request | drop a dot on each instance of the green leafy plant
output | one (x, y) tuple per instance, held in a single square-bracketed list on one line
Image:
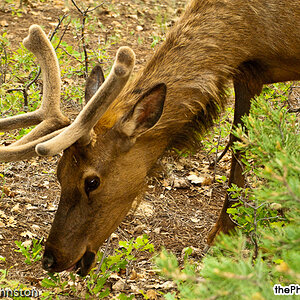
[(9, 286), (57, 286), (161, 20), (249, 213), (155, 40), (96, 281), (32, 253), (116, 262)]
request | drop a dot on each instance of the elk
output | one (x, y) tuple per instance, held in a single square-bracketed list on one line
[(127, 125)]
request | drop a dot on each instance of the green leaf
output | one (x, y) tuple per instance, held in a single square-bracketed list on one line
[(48, 283)]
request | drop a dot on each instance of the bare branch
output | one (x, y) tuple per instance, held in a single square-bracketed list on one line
[(84, 14)]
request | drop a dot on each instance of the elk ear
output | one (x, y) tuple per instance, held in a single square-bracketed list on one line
[(146, 112), (93, 82)]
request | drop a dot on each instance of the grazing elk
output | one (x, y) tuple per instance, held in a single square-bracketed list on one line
[(121, 132)]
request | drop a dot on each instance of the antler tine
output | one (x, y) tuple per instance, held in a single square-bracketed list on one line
[(20, 152), (48, 115), (81, 129)]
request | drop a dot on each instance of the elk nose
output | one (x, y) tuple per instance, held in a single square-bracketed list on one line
[(48, 261)]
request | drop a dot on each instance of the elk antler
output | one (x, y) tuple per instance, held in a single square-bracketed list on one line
[(81, 129), (48, 116), (44, 140)]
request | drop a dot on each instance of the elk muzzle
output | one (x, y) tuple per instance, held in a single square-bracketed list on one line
[(81, 267)]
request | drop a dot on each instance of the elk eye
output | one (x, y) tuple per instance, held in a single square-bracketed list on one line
[(91, 183)]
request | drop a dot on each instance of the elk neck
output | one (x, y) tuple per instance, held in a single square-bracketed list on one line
[(197, 60)]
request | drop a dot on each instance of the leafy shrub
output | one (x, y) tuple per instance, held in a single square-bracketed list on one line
[(266, 251)]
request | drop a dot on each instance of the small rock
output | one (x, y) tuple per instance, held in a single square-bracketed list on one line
[(168, 285), (180, 183), (135, 17), (195, 179)]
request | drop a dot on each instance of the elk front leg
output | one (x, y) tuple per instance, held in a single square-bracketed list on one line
[(224, 223), (247, 84)]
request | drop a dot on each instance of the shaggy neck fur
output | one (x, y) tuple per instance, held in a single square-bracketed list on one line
[(201, 53)]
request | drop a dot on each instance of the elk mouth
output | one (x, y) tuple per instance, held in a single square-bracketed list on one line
[(81, 267), (84, 264)]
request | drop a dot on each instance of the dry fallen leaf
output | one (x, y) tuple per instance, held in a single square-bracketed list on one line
[(119, 285), (140, 228), (203, 180), (151, 294), (35, 13), (207, 181), (145, 209), (16, 208), (168, 285), (8, 192), (11, 222), (133, 17), (114, 236), (28, 234), (157, 230), (27, 243), (46, 184), (180, 183), (133, 275), (3, 23), (195, 220), (29, 207)]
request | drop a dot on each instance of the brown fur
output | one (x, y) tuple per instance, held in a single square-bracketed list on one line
[(215, 41), (222, 40)]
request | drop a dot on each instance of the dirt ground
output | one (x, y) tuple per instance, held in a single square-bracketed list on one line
[(175, 213)]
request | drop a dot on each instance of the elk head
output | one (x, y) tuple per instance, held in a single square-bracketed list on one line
[(102, 153)]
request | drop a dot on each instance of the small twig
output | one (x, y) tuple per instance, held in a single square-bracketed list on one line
[(84, 14), (74, 3), (63, 34), (27, 86), (104, 255), (25, 95), (84, 45), (60, 20), (4, 69), (92, 9), (216, 156), (69, 54)]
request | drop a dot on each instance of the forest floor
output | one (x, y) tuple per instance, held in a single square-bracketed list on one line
[(175, 212)]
